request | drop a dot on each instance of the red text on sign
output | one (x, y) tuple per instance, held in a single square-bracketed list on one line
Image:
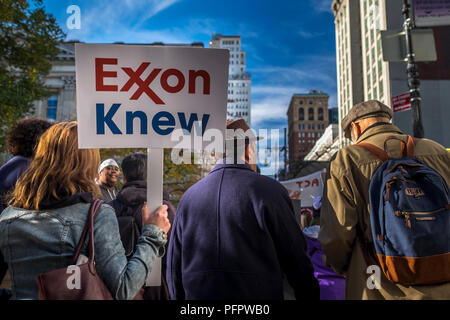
[(144, 84)]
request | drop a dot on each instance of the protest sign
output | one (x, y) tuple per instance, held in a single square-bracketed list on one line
[(136, 96), (305, 188)]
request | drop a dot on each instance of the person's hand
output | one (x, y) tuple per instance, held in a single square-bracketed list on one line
[(157, 217)]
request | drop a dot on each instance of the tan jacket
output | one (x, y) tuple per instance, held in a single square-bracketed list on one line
[(346, 204)]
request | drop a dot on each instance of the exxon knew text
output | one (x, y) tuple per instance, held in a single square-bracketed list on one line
[(163, 122)]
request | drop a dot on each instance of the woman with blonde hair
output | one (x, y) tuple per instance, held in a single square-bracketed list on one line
[(48, 210)]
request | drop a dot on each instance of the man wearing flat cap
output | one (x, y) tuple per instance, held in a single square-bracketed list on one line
[(235, 235), (345, 221)]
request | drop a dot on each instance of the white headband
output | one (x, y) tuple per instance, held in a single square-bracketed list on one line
[(107, 162)]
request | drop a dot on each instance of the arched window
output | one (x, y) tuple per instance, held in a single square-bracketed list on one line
[(311, 114), (321, 114), (301, 114)]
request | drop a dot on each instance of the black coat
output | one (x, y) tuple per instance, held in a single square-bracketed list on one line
[(128, 205)]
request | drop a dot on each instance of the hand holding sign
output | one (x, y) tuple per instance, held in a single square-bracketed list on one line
[(157, 217)]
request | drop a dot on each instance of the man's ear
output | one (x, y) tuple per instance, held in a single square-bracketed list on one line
[(250, 156), (357, 128), (247, 151)]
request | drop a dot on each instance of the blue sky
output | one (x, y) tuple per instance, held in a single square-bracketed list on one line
[(290, 44)]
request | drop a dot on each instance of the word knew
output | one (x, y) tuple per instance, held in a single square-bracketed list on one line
[(163, 122), (134, 77)]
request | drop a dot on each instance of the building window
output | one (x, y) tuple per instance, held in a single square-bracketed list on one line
[(320, 114), (311, 114), (301, 114), (52, 106), (301, 101), (310, 102)]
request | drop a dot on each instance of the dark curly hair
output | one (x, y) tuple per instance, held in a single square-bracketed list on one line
[(23, 137)]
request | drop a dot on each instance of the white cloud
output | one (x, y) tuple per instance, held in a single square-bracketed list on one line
[(270, 103), (307, 73), (322, 5), (308, 34), (109, 21)]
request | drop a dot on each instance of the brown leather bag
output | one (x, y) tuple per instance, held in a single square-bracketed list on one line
[(54, 285)]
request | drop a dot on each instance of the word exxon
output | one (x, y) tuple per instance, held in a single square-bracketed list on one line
[(144, 84)]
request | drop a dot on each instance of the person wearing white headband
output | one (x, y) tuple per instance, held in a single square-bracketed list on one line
[(108, 172)]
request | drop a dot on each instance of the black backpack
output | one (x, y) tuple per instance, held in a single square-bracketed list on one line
[(129, 219)]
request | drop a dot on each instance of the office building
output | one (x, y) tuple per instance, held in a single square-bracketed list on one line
[(239, 80)]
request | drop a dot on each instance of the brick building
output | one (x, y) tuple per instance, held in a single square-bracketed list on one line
[(307, 120)]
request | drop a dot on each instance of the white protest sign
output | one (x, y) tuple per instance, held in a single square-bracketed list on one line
[(134, 96), (305, 188)]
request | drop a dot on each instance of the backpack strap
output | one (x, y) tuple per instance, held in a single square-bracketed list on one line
[(407, 147), (375, 151)]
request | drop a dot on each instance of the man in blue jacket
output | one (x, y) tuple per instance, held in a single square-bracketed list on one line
[(235, 235)]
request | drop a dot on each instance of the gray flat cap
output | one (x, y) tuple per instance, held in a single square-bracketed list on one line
[(366, 109)]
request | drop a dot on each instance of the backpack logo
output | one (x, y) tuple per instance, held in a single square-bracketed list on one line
[(414, 192)]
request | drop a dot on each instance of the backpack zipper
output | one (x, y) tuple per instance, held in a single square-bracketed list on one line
[(408, 217)]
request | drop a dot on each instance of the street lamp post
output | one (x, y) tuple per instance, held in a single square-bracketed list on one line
[(413, 75)]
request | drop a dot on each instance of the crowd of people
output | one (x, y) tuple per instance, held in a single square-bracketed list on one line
[(234, 234)]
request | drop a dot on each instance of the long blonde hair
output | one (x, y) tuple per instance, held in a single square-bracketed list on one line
[(58, 168)]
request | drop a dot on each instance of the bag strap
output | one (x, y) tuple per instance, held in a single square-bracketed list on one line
[(375, 151), (407, 148), (88, 228)]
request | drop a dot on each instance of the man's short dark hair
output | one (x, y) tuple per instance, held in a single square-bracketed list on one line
[(134, 167), (24, 136)]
